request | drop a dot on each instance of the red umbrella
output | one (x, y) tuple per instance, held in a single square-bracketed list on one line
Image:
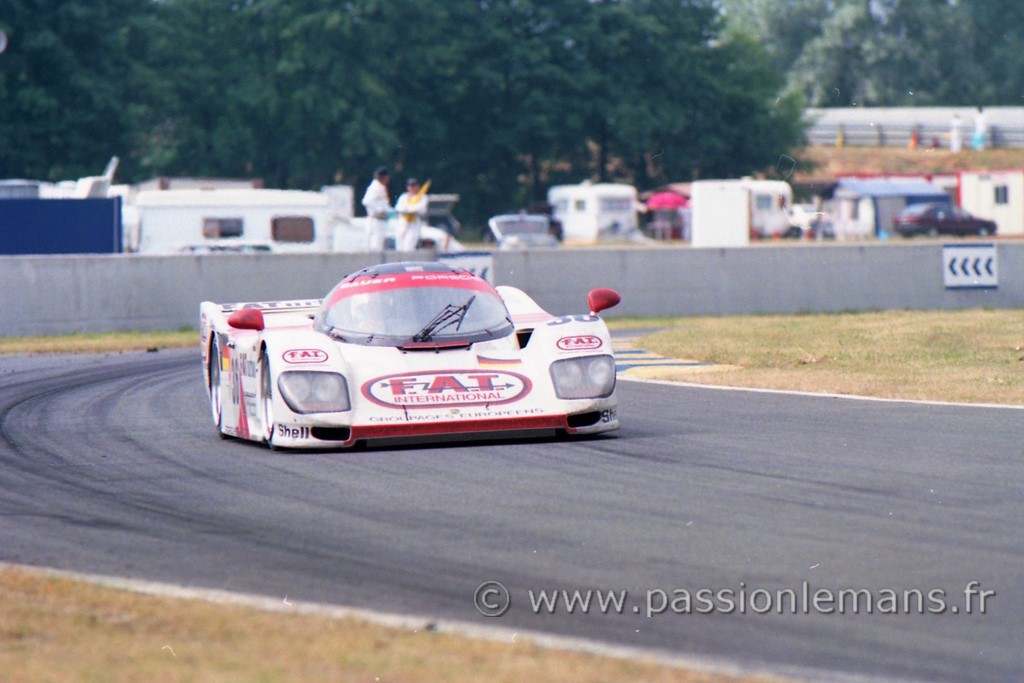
[(667, 200)]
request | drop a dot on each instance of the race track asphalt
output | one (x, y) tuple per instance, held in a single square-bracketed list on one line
[(110, 464)]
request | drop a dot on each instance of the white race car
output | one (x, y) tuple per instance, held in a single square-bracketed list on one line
[(407, 352)]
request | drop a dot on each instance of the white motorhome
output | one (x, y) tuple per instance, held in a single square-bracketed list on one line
[(170, 221), (729, 213), (590, 212)]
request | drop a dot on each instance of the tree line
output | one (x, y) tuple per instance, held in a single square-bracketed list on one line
[(891, 53), (493, 99)]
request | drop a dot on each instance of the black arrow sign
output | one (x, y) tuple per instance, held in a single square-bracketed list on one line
[(970, 266)]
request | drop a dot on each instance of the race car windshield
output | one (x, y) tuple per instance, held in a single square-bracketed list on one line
[(416, 314)]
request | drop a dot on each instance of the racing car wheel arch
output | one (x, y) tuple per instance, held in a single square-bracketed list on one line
[(214, 384), (265, 405)]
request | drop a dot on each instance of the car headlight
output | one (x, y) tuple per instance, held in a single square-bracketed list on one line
[(586, 377), (314, 392)]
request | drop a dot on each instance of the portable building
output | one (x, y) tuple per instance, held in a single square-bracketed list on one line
[(864, 208), (996, 195), (732, 212)]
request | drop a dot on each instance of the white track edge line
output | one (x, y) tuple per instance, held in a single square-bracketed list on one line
[(817, 394)]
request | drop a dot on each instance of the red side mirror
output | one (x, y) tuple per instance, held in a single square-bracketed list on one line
[(601, 298), (246, 319)]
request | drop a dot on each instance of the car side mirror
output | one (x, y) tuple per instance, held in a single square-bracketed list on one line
[(247, 319), (601, 299)]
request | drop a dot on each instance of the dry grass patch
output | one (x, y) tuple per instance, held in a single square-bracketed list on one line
[(823, 162), (973, 356), (100, 342), (58, 630)]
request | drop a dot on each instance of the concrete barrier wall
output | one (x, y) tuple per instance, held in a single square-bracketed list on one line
[(765, 278), (57, 294)]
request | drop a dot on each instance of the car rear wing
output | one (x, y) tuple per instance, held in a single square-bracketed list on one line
[(281, 312), (294, 306)]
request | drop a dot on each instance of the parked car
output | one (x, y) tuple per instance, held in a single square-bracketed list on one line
[(430, 238), (807, 221), (935, 219), (554, 225), (227, 247), (522, 231), (439, 213)]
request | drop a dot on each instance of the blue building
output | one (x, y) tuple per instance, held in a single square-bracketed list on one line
[(863, 208)]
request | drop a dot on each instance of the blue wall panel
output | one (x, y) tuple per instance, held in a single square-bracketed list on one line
[(60, 226)]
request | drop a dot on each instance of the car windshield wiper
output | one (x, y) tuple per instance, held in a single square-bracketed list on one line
[(448, 316), (335, 333), (346, 336)]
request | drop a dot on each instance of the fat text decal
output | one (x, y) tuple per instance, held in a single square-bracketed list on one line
[(447, 388), (300, 356), (580, 342)]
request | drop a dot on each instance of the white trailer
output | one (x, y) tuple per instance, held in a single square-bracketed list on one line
[(729, 213), (996, 195), (591, 212), (168, 221)]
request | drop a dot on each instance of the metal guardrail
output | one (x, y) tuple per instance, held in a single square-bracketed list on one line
[(894, 126), (899, 135)]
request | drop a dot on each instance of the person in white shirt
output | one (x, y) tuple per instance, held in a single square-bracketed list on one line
[(411, 207), (980, 140), (377, 204)]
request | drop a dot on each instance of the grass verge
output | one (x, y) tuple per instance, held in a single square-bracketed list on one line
[(102, 342), (59, 630), (974, 356)]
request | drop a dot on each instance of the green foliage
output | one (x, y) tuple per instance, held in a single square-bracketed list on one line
[(493, 99), (891, 52), (64, 79)]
